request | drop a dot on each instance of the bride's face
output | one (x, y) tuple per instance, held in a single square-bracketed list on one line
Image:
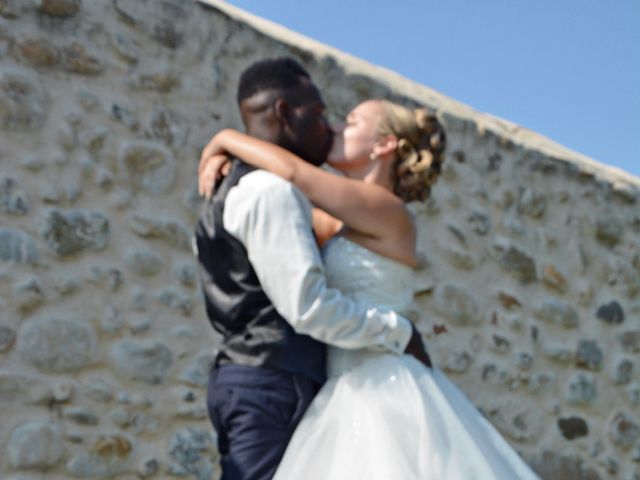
[(354, 140)]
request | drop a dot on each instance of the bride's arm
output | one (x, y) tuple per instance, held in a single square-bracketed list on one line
[(324, 225), (367, 208)]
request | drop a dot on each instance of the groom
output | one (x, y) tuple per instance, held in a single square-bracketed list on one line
[(264, 285)]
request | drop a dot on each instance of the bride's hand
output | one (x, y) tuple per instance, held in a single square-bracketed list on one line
[(213, 148), (210, 170)]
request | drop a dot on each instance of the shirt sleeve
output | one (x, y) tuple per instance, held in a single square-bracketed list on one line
[(272, 219)]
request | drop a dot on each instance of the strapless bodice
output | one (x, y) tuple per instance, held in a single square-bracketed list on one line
[(368, 277)]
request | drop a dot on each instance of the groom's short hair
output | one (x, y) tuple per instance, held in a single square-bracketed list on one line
[(275, 73)]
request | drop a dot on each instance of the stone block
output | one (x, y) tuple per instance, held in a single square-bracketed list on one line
[(190, 453), (57, 345), (143, 360), (573, 427), (589, 355), (581, 389), (170, 231), (13, 199), (70, 232), (59, 8), (148, 166), (624, 430), (35, 445), (457, 304), (144, 263), (611, 313), (7, 337), (558, 312), (108, 456), (23, 102), (515, 261), (554, 465)]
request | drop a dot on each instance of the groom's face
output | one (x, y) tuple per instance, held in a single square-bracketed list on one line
[(311, 136)]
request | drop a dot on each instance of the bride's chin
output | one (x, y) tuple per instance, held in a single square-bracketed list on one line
[(337, 163)]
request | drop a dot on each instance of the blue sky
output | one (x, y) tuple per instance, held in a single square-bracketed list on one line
[(568, 69)]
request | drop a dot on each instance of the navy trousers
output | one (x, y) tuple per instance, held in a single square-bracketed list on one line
[(255, 411)]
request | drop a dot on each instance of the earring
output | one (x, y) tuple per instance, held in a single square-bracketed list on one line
[(373, 155)]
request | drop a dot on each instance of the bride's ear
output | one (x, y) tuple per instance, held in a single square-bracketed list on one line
[(385, 146)]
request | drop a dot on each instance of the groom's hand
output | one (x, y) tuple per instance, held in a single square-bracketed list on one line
[(416, 348)]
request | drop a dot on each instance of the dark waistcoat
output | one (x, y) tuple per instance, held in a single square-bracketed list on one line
[(253, 332)]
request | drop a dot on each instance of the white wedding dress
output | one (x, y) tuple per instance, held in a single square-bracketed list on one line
[(386, 417)]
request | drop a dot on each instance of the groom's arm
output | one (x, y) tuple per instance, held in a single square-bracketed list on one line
[(272, 219)]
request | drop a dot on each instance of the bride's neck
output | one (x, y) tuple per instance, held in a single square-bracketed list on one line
[(376, 172)]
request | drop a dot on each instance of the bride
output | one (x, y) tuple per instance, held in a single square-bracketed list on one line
[(379, 415)]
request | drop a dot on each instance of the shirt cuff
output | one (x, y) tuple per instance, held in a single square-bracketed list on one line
[(400, 335)]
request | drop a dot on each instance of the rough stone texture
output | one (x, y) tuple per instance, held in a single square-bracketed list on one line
[(20, 389), (554, 279), (76, 59), (35, 445), (13, 199), (609, 230), (169, 127), (148, 467), (148, 166), (581, 389), (71, 232), (558, 353), (168, 230), (106, 457), (589, 355), (456, 361), (515, 261), (143, 360), (519, 425), (57, 345), (558, 312), (528, 292), (457, 304), (17, 246), (186, 274), (59, 8), (197, 373), (630, 340), (23, 103), (28, 294), (7, 337), (81, 415), (188, 452), (624, 430), (176, 300), (143, 263), (622, 372), (611, 313), (98, 389), (573, 427), (557, 466)]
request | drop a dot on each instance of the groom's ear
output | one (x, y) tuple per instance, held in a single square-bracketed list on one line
[(281, 112)]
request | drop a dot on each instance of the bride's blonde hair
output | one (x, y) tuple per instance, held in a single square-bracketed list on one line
[(421, 144)]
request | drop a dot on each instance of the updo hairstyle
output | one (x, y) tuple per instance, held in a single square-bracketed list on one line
[(421, 144)]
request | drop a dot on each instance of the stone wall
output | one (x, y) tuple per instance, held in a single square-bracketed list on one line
[(528, 298)]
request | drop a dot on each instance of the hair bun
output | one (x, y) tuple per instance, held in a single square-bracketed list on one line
[(426, 120), (421, 144)]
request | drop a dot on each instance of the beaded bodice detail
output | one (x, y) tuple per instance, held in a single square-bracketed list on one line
[(365, 276)]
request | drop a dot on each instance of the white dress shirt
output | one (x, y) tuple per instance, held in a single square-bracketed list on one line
[(272, 219)]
